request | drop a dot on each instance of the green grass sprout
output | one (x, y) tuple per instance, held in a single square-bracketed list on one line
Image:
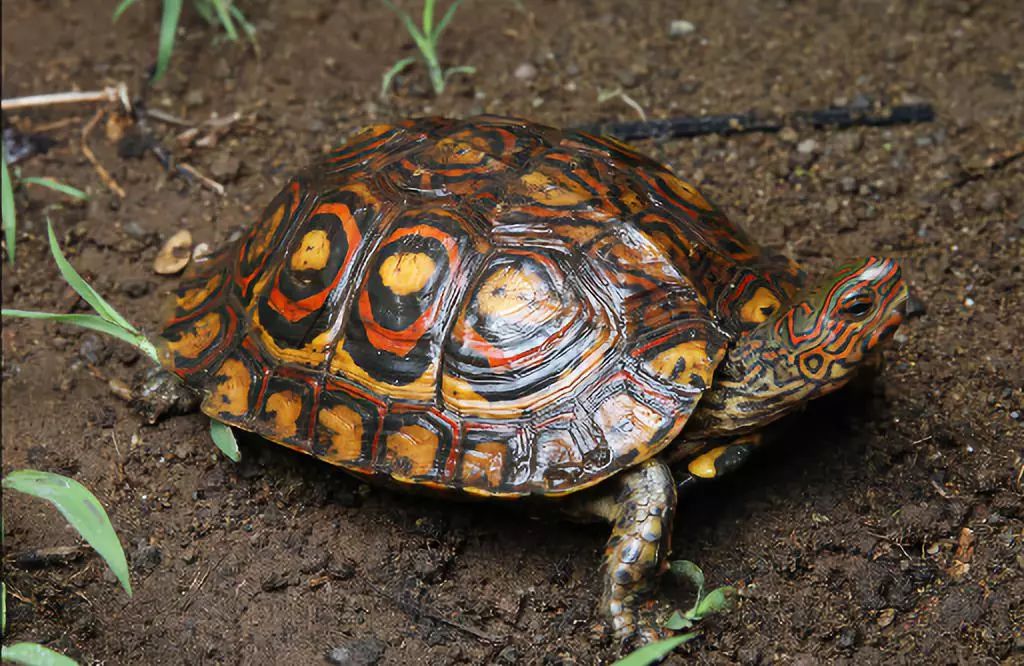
[(653, 652), (9, 220), (214, 12), (426, 36), (82, 511), (106, 320), (224, 438), (57, 186), (33, 654)]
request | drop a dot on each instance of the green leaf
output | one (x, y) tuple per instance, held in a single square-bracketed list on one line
[(653, 652), (122, 6), (83, 288), (225, 440), (82, 511), (385, 81), (93, 323), (689, 571), (168, 27), (677, 621), (9, 217), (33, 654), (446, 19), (63, 188), (718, 600)]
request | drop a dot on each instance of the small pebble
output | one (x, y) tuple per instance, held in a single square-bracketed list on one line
[(357, 652), (789, 135), (525, 72), (847, 184), (175, 254), (225, 168), (680, 28), (807, 146)]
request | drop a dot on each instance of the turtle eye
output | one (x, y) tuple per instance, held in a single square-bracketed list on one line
[(857, 305)]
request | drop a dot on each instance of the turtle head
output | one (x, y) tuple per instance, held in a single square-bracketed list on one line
[(811, 346), (831, 329)]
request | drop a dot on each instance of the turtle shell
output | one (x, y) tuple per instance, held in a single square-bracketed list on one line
[(487, 305)]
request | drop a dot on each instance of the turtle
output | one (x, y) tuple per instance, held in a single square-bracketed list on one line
[(492, 308)]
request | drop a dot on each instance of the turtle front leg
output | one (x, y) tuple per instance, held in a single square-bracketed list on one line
[(639, 504)]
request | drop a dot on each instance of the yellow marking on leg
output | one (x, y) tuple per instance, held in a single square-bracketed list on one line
[(231, 395), (412, 451), (407, 272), (760, 306), (286, 407), (312, 253), (345, 426), (194, 342), (628, 424), (704, 464)]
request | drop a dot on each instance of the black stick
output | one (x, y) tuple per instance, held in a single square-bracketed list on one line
[(737, 123)]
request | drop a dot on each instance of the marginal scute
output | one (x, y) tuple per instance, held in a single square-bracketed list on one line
[(230, 394), (198, 337)]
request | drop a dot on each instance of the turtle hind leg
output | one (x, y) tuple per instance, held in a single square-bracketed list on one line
[(640, 504), (161, 394)]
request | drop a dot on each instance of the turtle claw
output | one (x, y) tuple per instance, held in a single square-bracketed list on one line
[(161, 394)]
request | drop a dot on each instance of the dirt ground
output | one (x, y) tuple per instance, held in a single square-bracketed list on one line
[(849, 541)]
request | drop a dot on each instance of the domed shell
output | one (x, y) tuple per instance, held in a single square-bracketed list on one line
[(487, 305)]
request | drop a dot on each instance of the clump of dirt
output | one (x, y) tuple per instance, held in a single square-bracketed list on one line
[(887, 526)]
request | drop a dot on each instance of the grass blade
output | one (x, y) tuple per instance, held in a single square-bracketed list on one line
[(93, 323), (248, 28), (225, 440), (428, 17), (82, 511), (446, 19), (58, 186), (168, 27), (83, 288), (650, 654), (34, 654), (385, 82), (225, 19), (9, 220), (122, 7)]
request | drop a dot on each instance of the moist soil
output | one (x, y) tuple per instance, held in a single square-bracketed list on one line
[(884, 527)]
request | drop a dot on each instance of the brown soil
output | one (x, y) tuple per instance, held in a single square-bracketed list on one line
[(843, 540)]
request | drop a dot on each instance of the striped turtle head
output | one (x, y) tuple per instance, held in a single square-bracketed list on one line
[(812, 346)]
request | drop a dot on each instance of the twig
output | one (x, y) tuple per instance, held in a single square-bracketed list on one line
[(737, 123), (994, 163), (118, 93), (108, 180), (208, 182)]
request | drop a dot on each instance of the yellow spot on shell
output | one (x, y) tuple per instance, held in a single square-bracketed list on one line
[(312, 253), (344, 426), (628, 424), (483, 465), (515, 294), (542, 189), (197, 340), (286, 407), (194, 297), (231, 395), (704, 464), (695, 360), (407, 272), (760, 306), (412, 451)]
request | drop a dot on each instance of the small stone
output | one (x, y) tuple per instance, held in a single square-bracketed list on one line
[(175, 254), (847, 638), (991, 201), (789, 135), (357, 652), (807, 147), (195, 97), (680, 28), (832, 206), (136, 288), (525, 72), (886, 617), (225, 168), (847, 184), (93, 350)]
